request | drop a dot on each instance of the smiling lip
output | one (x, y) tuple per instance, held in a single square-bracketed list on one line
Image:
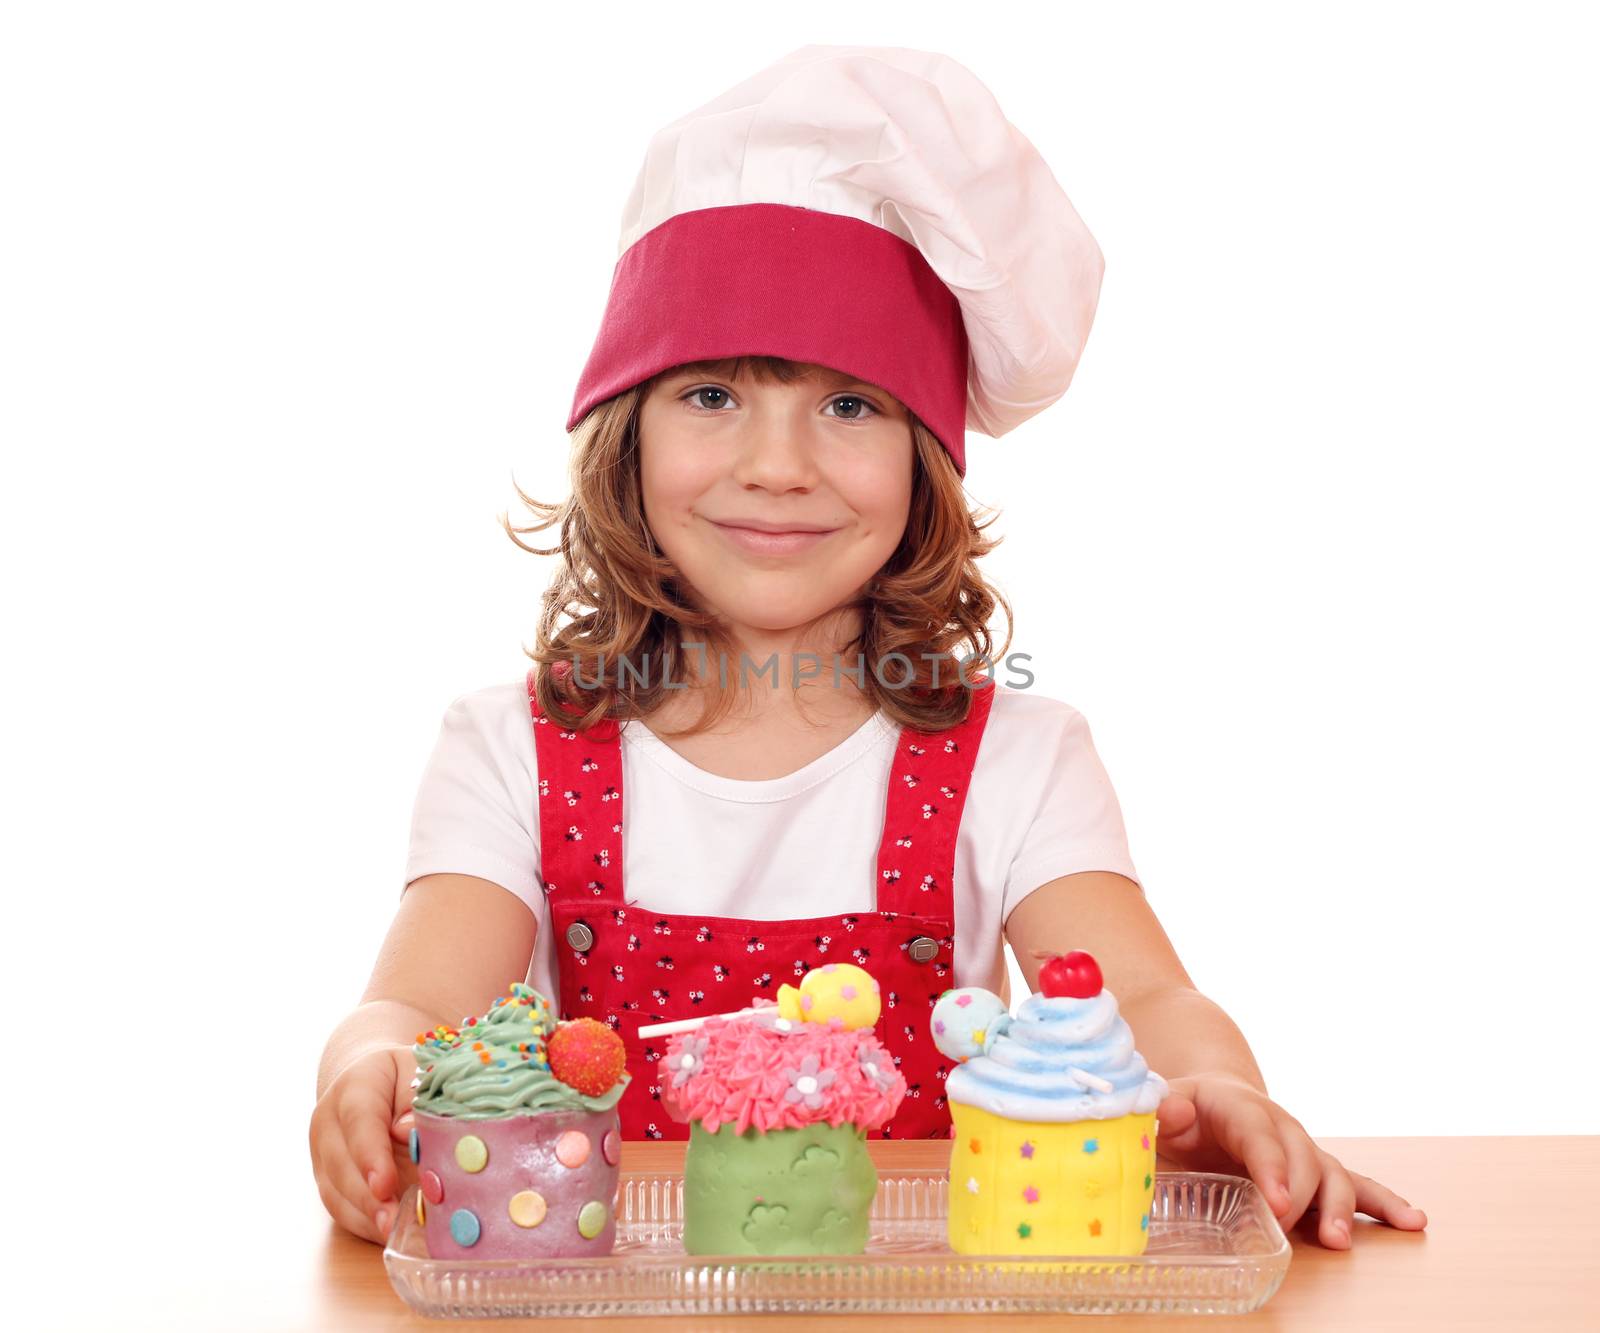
[(766, 541)]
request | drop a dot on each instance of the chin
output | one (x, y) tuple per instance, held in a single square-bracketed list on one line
[(774, 619), (774, 610)]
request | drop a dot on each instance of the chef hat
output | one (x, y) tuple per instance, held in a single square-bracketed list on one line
[(865, 208)]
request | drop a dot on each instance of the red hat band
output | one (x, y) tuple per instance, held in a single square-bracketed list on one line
[(776, 280)]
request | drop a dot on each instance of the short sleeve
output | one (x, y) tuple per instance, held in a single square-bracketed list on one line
[(476, 811), (1077, 822)]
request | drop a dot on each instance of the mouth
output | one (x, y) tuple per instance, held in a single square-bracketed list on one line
[(759, 541)]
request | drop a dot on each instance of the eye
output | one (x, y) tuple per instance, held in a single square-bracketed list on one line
[(694, 395), (858, 403), (857, 409)]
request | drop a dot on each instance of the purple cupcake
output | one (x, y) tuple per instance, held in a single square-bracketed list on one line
[(512, 1162)]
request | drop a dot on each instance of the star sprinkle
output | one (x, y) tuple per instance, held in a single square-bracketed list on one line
[(1030, 1194), (1147, 1182), (1024, 1230), (1027, 1148), (1091, 1145), (1094, 1227), (972, 1184), (1144, 1142), (975, 1145)]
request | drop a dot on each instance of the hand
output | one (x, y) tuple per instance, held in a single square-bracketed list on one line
[(357, 1122), (1220, 1122)]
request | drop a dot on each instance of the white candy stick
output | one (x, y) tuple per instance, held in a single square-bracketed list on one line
[(689, 1024), (1086, 1080)]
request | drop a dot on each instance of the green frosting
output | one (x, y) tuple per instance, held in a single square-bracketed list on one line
[(496, 1065), (786, 1191)]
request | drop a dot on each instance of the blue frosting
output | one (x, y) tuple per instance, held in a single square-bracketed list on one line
[(1052, 1062)]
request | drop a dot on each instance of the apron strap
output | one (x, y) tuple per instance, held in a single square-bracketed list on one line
[(927, 793), (580, 807)]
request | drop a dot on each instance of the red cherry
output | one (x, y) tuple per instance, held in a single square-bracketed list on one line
[(1075, 974)]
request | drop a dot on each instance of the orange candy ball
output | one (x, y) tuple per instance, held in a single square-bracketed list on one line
[(586, 1055)]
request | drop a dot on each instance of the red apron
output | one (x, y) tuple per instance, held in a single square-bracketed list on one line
[(628, 966)]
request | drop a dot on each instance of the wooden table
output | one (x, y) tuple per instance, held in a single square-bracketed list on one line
[(1511, 1244)]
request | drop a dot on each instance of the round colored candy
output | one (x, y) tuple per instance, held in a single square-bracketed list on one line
[(572, 1148), (966, 1021), (592, 1219), (432, 1187), (472, 1153), (527, 1209), (587, 1055), (611, 1148), (464, 1227)]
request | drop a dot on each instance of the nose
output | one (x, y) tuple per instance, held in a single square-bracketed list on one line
[(777, 452)]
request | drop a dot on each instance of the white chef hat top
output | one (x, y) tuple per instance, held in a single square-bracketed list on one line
[(714, 260)]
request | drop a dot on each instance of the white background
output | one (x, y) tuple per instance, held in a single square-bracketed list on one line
[(293, 292)]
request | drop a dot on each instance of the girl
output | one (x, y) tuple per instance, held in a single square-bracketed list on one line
[(759, 647)]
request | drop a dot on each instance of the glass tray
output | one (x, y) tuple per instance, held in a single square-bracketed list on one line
[(1215, 1248)]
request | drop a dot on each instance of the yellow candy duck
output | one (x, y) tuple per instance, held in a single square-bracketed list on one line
[(834, 990)]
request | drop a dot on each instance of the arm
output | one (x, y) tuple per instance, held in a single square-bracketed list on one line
[(453, 945), (455, 942), (1218, 1116), (1179, 1031)]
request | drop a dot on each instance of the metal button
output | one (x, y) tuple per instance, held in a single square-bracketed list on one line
[(580, 937), (923, 949)]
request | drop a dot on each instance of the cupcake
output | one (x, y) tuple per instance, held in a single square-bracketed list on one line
[(1054, 1133), (517, 1139), (779, 1101)]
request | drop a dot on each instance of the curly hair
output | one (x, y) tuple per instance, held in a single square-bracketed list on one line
[(623, 599)]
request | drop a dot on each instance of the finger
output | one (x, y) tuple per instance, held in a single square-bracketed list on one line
[(344, 1176), (1247, 1131), (366, 1132), (336, 1172), (1383, 1203), (404, 1090), (1305, 1167), (1177, 1122), (401, 1119), (400, 1131), (346, 1214), (1336, 1203)]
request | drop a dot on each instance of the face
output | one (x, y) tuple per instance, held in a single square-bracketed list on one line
[(777, 501)]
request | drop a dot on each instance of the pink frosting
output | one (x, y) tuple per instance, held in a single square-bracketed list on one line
[(750, 1074)]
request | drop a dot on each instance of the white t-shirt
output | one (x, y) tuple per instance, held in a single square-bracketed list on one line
[(1040, 806)]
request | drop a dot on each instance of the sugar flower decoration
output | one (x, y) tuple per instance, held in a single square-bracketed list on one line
[(870, 1057), (688, 1060), (807, 1083), (772, 1021)]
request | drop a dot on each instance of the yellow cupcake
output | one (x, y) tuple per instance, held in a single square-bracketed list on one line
[(1054, 1111), (1034, 1187)]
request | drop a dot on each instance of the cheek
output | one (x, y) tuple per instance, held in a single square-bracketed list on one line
[(881, 495), (888, 506), (669, 485)]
